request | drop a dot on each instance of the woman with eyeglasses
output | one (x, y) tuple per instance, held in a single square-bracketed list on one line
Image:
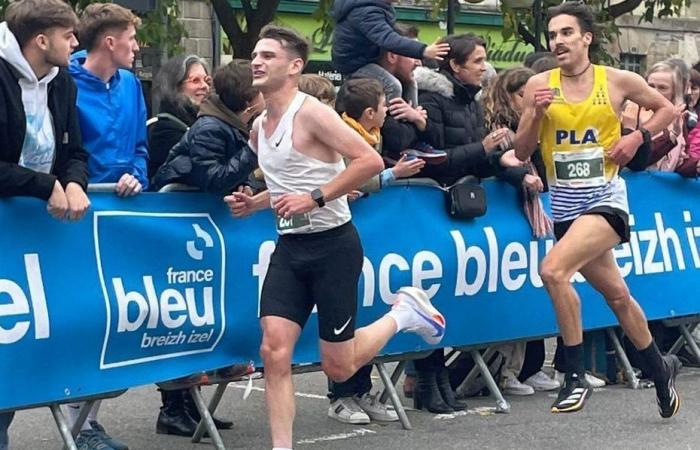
[(181, 84)]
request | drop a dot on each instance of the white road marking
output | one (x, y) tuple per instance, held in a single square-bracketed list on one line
[(480, 411), (298, 394), (337, 437)]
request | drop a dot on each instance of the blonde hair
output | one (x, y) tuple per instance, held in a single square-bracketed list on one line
[(676, 78), (317, 86)]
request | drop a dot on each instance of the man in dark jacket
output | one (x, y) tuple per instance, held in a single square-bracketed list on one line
[(406, 120), (214, 155), (40, 149), (41, 153)]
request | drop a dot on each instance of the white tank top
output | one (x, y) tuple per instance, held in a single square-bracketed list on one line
[(286, 170)]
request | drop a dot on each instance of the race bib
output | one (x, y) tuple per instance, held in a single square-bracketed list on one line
[(581, 168), (293, 223)]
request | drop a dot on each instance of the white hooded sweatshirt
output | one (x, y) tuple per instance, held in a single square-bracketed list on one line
[(39, 147)]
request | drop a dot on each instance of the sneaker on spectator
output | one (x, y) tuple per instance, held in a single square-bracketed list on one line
[(542, 382), (591, 380), (513, 386), (116, 444), (375, 409), (346, 410), (91, 440), (426, 152)]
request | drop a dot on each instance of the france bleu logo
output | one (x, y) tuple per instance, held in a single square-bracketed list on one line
[(162, 277)]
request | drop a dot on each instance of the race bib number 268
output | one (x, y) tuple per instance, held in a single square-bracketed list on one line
[(583, 168)]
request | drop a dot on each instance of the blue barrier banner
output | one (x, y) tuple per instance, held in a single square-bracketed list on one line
[(158, 286)]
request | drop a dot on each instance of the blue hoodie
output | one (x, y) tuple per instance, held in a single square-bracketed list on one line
[(112, 122), (362, 29)]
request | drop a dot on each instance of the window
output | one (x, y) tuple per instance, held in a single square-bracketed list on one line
[(633, 62)]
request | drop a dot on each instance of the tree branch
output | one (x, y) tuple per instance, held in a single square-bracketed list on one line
[(527, 36), (624, 7), (227, 18)]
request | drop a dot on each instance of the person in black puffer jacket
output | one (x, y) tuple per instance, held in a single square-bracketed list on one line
[(456, 121), (181, 85), (214, 154)]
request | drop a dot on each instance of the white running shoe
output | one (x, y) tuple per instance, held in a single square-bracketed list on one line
[(346, 410), (375, 409), (420, 315), (593, 381), (513, 386), (542, 382)]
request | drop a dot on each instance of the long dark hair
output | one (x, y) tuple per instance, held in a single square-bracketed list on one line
[(167, 96), (498, 106)]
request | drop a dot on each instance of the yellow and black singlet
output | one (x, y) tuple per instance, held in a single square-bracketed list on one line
[(575, 139)]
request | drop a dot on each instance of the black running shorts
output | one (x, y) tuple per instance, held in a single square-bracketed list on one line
[(319, 269), (617, 218)]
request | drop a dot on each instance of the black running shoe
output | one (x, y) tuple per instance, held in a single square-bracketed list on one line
[(667, 397), (573, 394)]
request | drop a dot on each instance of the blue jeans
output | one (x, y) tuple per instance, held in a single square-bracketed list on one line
[(5, 420)]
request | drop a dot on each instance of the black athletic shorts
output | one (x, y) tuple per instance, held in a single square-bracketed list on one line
[(617, 218), (319, 269)]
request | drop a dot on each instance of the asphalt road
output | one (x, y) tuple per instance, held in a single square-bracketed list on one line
[(614, 418)]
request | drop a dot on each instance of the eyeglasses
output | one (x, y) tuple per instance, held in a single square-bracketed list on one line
[(206, 79)]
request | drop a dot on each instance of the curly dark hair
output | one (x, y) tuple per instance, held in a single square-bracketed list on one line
[(498, 105)]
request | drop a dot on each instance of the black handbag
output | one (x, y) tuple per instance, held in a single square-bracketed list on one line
[(466, 201)]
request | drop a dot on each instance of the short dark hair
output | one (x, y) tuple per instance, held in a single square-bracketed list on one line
[(358, 94), (290, 40), (234, 84), (461, 48), (545, 63), (98, 18), (28, 18), (577, 9)]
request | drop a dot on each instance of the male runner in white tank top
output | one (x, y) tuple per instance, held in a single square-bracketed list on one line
[(573, 112), (300, 144)]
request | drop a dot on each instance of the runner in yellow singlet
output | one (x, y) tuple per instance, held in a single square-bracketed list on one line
[(573, 111)]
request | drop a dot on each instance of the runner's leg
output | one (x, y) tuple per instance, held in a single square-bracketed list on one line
[(279, 338)]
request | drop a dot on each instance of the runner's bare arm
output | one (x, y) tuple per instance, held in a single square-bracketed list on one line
[(335, 135), (534, 105), (636, 89)]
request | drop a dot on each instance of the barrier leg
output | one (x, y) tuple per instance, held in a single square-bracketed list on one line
[(394, 396), (502, 406), (680, 342), (691, 341), (82, 417), (63, 427), (471, 376), (207, 419), (394, 379), (632, 381), (213, 404)]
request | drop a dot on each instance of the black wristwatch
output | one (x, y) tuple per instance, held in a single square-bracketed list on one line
[(317, 196), (646, 135)]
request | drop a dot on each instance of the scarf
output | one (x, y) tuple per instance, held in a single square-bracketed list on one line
[(372, 136)]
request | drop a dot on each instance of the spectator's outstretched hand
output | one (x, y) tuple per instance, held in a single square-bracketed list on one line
[(240, 204), (436, 50), (57, 204), (533, 183), (354, 195), (128, 185), (508, 159), (405, 168), (78, 201)]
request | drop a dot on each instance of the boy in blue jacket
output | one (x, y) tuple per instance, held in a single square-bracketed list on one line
[(110, 99), (365, 28)]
